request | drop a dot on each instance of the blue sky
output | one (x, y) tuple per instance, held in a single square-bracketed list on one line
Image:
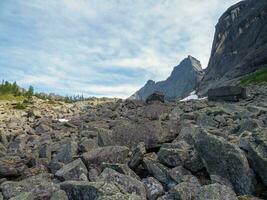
[(102, 47)]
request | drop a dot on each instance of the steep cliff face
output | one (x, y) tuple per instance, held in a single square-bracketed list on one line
[(240, 45), (183, 79)]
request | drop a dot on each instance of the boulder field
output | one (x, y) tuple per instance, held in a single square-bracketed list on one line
[(128, 149)]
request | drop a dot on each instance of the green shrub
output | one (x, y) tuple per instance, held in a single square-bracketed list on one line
[(21, 106), (258, 77)]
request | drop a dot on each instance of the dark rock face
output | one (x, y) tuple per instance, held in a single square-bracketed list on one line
[(240, 45), (156, 96), (227, 93), (183, 80)]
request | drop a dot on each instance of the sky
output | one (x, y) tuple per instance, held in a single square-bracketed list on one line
[(102, 47)]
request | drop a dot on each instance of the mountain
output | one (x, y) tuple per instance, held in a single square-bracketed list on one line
[(240, 45), (183, 80)]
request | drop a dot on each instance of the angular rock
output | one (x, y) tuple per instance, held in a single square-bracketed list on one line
[(12, 166), (85, 190), (156, 96), (40, 185), (128, 183), (152, 133), (109, 154), (257, 153), (154, 189), (24, 196), (66, 152), (187, 189), (75, 170), (88, 144), (121, 168), (174, 154), (216, 192), (59, 195), (227, 93), (226, 160), (137, 155), (178, 173), (159, 171)]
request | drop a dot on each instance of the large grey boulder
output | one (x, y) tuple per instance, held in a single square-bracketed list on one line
[(129, 184), (239, 45), (216, 192), (187, 189), (12, 166), (152, 133), (159, 171), (257, 153), (137, 155), (183, 80), (85, 190), (110, 154), (40, 185), (76, 170), (174, 154), (154, 189), (154, 97), (226, 160), (227, 93)]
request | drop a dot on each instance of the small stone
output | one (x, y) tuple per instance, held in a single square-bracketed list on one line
[(154, 189)]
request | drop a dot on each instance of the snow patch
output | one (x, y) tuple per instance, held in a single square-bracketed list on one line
[(63, 120), (192, 96)]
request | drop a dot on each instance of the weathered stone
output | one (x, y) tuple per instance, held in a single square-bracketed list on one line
[(45, 151), (40, 185), (216, 192), (227, 93), (154, 189), (75, 170), (221, 180), (88, 144), (187, 189), (152, 133), (156, 96), (12, 166), (128, 183), (24, 196), (159, 171), (137, 155), (121, 168), (85, 190), (109, 154), (59, 195), (226, 160), (174, 154), (178, 173), (66, 152), (257, 153)]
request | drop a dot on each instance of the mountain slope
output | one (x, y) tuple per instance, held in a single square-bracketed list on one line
[(240, 45), (183, 79)]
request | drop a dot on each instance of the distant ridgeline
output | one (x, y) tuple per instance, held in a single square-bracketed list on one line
[(11, 91)]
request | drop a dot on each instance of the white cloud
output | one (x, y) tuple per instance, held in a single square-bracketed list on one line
[(73, 45)]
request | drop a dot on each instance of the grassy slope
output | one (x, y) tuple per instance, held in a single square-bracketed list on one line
[(10, 97), (258, 77)]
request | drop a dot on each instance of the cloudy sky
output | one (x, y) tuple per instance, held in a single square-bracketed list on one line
[(102, 47)]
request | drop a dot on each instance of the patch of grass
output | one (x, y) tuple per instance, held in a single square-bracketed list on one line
[(21, 106), (258, 77), (11, 97)]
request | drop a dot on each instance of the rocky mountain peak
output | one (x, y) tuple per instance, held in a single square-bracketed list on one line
[(183, 80)]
